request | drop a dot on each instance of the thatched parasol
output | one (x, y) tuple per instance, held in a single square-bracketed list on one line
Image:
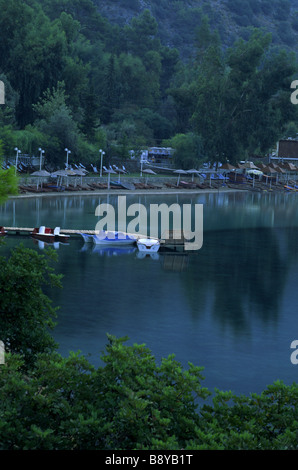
[(40, 174), (179, 173)]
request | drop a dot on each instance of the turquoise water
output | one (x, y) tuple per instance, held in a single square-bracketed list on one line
[(230, 307)]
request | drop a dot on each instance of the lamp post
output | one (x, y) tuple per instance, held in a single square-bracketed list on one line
[(101, 155), (67, 153), (40, 157), (141, 165), (17, 156)]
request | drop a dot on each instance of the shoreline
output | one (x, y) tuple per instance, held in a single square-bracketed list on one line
[(102, 192)]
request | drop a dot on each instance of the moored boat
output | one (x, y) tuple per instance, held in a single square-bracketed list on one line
[(114, 238), (3, 232), (49, 235), (104, 237), (148, 245)]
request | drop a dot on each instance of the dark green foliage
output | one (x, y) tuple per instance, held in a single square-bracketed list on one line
[(132, 403), (240, 99), (128, 82), (26, 314), (8, 181)]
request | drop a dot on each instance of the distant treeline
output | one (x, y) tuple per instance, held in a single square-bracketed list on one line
[(73, 79)]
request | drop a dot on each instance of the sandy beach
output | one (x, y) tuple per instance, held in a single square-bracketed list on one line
[(258, 187), (136, 192)]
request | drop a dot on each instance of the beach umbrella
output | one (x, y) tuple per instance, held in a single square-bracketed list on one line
[(249, 165), (192, 172), (271, 171), (81, 173), (179, 173), (69, 173), (227, 166), (254, 173), (120, 172), (149, 172), (59, 174), (261, 166), (109, 172), (40, 174), (280, 170)]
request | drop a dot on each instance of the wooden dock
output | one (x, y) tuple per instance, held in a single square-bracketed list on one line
[(28, 230), (170, 238), (64, 231)]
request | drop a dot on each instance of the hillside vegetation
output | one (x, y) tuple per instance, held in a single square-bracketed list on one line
[(123, 75), (178, 20)]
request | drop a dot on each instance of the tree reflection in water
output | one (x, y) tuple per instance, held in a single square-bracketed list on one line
[(241, 274)]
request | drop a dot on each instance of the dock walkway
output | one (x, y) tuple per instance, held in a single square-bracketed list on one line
[(170, 238)]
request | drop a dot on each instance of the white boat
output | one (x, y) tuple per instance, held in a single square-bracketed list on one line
[(110, 238), (87, 237), (148, 245), (49, 235)]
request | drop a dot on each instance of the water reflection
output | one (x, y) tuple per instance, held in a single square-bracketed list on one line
[(109, 250), (230, 307), (221, 211), (244, 272)]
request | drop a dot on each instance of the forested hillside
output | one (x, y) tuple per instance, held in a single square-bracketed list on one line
[(127, 74), (178, 20)]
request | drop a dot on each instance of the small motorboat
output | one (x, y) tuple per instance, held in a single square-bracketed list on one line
[(49, 235), (110, 238), (3, 232), (88, 238), (148, 245)]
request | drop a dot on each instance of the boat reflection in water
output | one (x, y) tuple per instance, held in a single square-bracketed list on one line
[(108, 250), (170, 260), (42, 245), (150, 255)]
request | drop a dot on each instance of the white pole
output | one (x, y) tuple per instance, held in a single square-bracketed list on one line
[(17, 156), (67, 153), (40, 157), (101, 156)]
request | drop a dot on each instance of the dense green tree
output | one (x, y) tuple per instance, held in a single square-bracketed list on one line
[(142, 34), (111, 71), (110, 90), (55, 120), (8, 182), (237, 111), (132, 403), (188, 150), (26, 312)]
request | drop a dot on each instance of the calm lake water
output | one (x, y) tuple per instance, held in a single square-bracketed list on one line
[(231, 307)]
